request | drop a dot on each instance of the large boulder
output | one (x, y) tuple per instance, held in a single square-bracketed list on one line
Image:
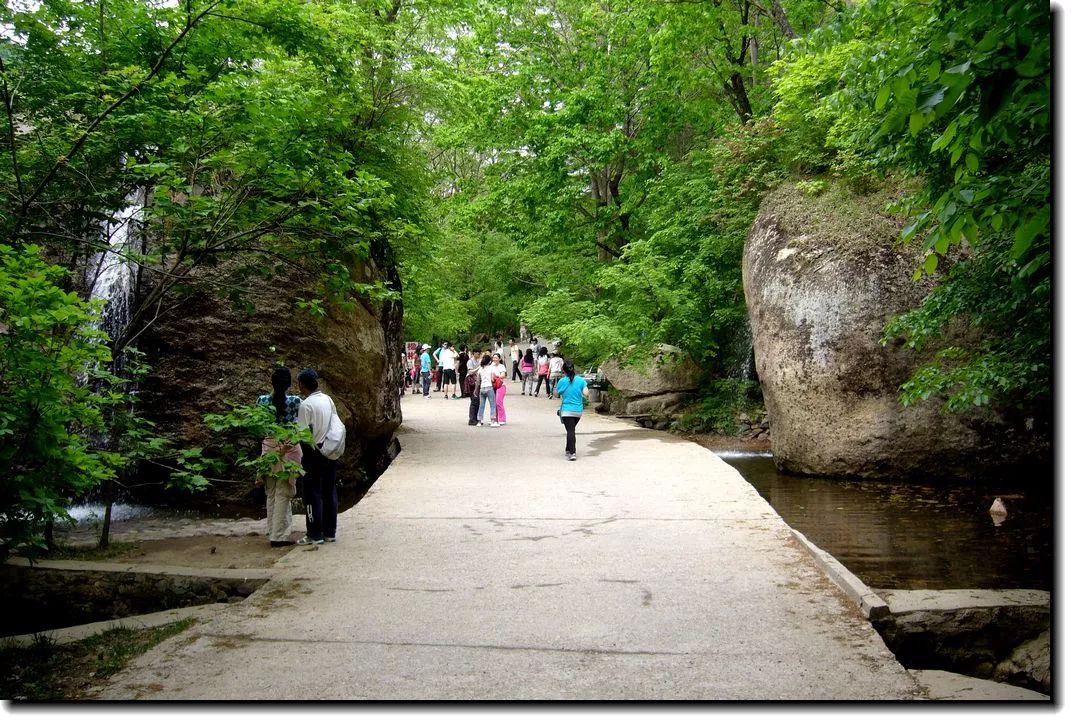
[(211, 353), (667, 369), (822, 277)]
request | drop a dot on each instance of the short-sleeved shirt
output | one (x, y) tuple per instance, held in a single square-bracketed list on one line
[(425, 362), (557, 364), (447, 358), (572, 393), (290, 412)]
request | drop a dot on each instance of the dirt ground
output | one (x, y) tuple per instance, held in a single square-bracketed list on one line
[(250, 551)]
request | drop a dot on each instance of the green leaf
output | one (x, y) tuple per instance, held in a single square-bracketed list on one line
[(883, 97), (930, 264), (945, 139), (1028, 231), (917, 122)]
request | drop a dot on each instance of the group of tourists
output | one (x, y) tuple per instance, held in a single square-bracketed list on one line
[(476, 374), (480, 376)]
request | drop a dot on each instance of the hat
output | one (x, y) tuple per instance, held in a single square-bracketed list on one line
[(425, 347)]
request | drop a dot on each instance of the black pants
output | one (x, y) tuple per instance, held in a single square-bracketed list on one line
[(319, 493), (570, 433), (474, 406), (516, 371), (538, 382), (439, 381)]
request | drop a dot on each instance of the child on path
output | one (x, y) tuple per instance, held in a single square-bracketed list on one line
[(573, 389)]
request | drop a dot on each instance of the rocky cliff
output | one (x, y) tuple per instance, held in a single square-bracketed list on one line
[(822, 277), (211, 352)]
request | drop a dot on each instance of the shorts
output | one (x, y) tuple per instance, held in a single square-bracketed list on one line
[(449, 376)]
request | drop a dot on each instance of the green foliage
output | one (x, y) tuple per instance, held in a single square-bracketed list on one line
[(47, 671), (57, 395), (243, 426), (957, 93), (720, 405)]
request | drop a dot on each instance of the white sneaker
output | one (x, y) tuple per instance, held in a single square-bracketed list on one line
[(494, 424)]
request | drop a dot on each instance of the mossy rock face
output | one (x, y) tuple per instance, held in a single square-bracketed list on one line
[(823, 275), (211, 353)]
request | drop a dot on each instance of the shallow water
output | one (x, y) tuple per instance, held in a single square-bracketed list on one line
[(916, 535)]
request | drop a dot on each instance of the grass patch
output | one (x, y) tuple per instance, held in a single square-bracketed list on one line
[(47, 671), (90, 553)]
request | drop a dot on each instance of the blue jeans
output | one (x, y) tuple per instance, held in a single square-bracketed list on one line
[(425, 381), (487, 394)]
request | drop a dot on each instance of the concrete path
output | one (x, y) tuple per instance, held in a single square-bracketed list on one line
[(484, 565)]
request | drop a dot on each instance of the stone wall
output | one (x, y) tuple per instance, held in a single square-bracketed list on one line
[(37, 599)]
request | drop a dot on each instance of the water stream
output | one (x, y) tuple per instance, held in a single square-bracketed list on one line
[(914, 535)]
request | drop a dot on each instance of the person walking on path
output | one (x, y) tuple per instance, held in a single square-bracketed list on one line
[(448, 357), (321, 496), (515, 359), (277, 488), (543, 365), (573, 389), (425, 370), (527, 371), (557, 363), (487, 391), (499, 370)]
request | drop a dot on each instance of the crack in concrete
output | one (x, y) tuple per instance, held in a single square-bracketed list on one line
[(475, 646)]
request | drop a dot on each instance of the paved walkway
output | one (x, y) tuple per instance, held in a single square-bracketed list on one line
[(484, 565)]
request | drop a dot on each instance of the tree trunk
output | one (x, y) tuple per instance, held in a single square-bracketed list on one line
[(737, 92), (106, 525)]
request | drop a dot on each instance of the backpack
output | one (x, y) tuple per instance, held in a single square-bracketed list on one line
[(334, 445)]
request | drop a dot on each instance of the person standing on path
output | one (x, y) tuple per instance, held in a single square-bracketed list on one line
[(487, 391), (425, 370), (462, 369), (438, 355), (543, 366), (527, 371), (471, 389), (499, 370), (557, 363), (321, 496), (515, 359), (573, 389), (279, 490), (447, 357)]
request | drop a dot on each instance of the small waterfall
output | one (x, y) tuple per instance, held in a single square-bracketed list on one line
[(112, 274), (743, 354)]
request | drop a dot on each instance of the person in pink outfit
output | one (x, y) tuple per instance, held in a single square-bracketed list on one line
[(498, 369)]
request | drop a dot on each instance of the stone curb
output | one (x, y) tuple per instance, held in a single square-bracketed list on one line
[(872, 606), (72, 634), (243, 574)]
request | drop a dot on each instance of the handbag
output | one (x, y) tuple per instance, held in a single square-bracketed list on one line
[(334, 444), (496, 382)]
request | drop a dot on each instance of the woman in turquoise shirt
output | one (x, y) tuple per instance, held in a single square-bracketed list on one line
[(572, 389)]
